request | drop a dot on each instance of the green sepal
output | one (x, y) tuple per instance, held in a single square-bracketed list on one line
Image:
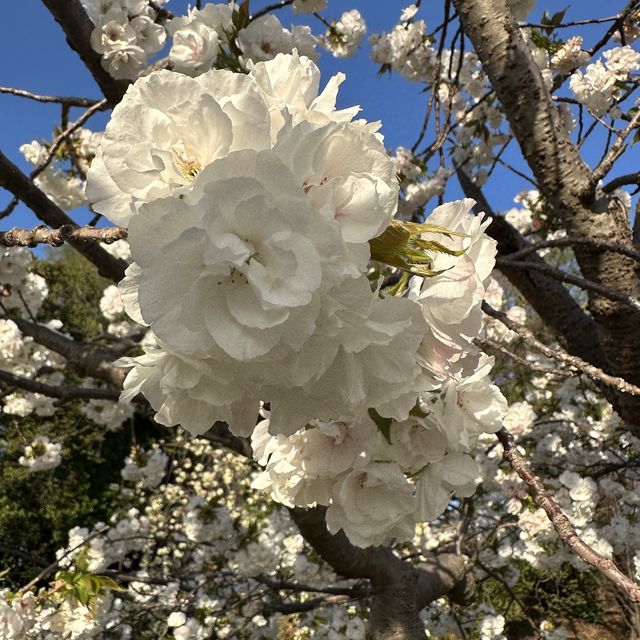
[(402, 246), (383, 424)]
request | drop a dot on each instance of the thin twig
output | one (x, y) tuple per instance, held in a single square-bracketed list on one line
[(616, 26), (617, 149), (18, 237), (569, 278), (569, 241), (57, 143), (573, 361), (559, 520), (268, 9), (71, 101), (486, 342)]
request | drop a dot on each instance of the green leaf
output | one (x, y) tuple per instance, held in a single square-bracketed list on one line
[(383, 424)]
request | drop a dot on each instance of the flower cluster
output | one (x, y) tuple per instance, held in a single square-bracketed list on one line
[(345, 35), (251, 202), (41, 455), (62, 184), (599, 86), (125, 34)]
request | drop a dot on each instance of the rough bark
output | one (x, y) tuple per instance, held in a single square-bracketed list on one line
[(13, 180), (400, 590), (77, 26), (565, 182)]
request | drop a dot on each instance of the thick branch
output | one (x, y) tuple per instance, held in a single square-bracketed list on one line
[(560, 522), (400, 590), (94, 361), (12, 179), (568, 242), (566, 184), (62, 392), (77, 26)]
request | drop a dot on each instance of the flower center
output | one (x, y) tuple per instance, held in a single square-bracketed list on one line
[(189, 167)]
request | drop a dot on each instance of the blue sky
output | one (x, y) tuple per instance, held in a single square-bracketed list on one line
[(37, 58)]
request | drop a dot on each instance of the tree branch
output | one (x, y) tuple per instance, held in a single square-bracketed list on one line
[(95, 361), (549, 298), (589, 370), (62, 392), (569, 278), (617, 149), (565, 183), (567, 242), (400, 590), (66, 100), (560, 522), (12, 179), (77, 26), (18, 237)]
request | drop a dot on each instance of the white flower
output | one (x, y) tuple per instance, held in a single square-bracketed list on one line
[(204, 523), (149, 35), (11, 344), (189, 392), (372, 505), (408, 13), (622, 60), (113, 32), (346, 173), (17, 405), (41, 455), (451, 300), (240, 287), (520, 218), (195, 48), (455, 473), (265, 37), (110, 414), (176, 619), (289, 86), (345, 36), (111, 303), (491, 628), (570, 56), (67, 192), (187, 123), (596, 88), (468, 406), (124, 63), (519, 417)]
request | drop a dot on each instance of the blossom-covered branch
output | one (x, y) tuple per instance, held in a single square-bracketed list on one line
[(560, 522)]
